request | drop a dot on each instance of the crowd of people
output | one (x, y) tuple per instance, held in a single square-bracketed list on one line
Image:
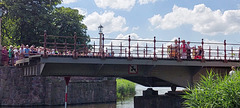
[(9, 56), (184, 50), (12, 54)]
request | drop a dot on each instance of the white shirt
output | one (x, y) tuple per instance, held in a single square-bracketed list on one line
[(232, 72)]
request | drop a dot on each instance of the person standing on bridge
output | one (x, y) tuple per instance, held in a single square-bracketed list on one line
[(16, 54), (188, 51), (21, 51), (175, 48), (184, 50), (26, 52), (233, 71), (4, 56), (11, 55), (199, 53)]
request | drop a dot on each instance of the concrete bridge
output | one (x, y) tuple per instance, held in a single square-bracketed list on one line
[(149, 65)]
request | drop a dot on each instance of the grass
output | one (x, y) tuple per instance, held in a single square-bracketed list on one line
[(125, 89), (214, 91)]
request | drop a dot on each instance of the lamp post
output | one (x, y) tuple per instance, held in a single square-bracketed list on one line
[(100, 27), (1, 13)]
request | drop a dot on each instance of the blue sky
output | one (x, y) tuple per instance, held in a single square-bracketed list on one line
[(212, 20)]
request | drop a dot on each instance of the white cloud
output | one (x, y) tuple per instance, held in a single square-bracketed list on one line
[(202, 18), (110, 22), (69, 1), (133, 36), (82, 11), (135, 28), (141, 2), (121, 38), (116, 4)]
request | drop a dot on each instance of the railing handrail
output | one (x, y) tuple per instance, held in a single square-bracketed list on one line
[(154, 48)]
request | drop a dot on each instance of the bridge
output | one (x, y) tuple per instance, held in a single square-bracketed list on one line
[(152, 63)]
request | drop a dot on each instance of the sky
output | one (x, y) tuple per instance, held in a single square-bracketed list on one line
[(192, 20)]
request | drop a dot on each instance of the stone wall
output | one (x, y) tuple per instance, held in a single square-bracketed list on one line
[(151, 99), (17, 90)]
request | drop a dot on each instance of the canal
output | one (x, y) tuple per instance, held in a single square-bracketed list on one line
[(127, 103)]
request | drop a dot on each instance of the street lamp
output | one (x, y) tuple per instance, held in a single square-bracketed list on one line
[(1, 13), (100, 28)]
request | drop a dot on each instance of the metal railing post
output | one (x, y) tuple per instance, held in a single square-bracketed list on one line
[(65, 46), (55, 45), (129, 46), (154, 49), (111, 49), (103, 46), (202, 52), (120, 50), (179, 55), (45, 44), (146, 49), (225, 52), (75, 42)]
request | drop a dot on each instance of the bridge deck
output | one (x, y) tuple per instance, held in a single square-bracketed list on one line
[(139, 61), (148, 62)]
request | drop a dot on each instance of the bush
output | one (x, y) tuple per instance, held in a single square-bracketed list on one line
[(125, 88), (214, 91)]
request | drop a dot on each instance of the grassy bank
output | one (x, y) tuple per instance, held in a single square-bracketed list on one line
[(125, 88), (214, 91)]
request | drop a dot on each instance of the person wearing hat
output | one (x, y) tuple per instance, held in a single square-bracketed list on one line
[(11, 55)]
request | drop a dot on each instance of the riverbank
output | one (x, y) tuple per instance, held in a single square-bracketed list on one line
[(215, 91), (125, 88)]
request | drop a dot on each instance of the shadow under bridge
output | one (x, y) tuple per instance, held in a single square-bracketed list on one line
[(160, 73)]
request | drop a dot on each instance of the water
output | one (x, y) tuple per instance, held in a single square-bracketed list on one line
[(127, 103)]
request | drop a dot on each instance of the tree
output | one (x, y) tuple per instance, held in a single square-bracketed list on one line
[(26, 20), (29, 17), (67, 21)]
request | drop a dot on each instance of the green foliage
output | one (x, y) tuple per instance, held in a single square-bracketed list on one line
[(125, 88), (25, 20), (214, 91), (67, 21)]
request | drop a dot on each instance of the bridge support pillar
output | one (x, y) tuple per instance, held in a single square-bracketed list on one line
[(151, 99), (67, 79)]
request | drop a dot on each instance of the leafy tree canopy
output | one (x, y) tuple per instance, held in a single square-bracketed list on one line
[(25, 20)]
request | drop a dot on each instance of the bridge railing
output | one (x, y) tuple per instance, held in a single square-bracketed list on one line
[(131, 48)]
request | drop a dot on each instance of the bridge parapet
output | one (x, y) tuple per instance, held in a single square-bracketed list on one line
[(130, 47), (31, 66)]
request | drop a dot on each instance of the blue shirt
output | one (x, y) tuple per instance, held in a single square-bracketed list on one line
[(26, 52)]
